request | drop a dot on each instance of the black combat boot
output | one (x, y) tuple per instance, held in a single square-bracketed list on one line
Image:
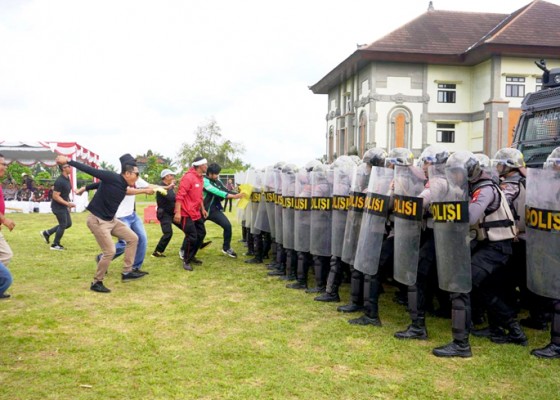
[(328, 297), (551, 350), (489, 332), (250, 245), (457, 348), (416, 330), (356, 294), (515, 335), (371, 305), (291, 266), (321, 266), (334, 279), (302, 271), (460, 322)]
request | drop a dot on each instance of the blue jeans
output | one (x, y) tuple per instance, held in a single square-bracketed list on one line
[(137, 226), (5, 278)]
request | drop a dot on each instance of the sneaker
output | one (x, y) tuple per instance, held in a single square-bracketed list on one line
[(158, 254), (182, 254), (140, 271), (196, 261), (187, 266), (205, 244), (57, 247), (99, 287), (230, 253), (131, 276), (4, 296), (45, 236)]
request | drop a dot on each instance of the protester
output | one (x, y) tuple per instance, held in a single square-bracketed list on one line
[(102, 222), (214, 192), (190, 211), (60, 206), (165, 210)]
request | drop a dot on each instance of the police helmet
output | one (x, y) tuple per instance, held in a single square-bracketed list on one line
[(279, 165), (553, 160), (357, 160), (434, 154), (375, 157), (311, 164), (483, 160), (507, 159), (289, 169), (467, 161), (399, 156)]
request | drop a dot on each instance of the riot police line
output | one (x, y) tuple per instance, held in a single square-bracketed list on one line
[(480, 237)]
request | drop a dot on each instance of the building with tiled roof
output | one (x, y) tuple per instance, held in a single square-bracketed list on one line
[(455, 78)]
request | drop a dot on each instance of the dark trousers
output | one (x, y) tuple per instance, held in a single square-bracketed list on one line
[(166, 224), (219, 218), (487, 263), (194, 235), (226, 202), (64, 222)]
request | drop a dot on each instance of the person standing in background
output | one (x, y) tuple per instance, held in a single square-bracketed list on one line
[(60, 206)]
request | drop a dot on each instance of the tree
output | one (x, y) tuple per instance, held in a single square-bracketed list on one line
[(107, 167), (210, 144)]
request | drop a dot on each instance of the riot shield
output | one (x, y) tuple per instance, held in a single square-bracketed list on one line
[(240, 177), (253, 178), (374, 219), (450, 211), (542, 224), (321, 211), (288, 197), (407, 209), (278, 205), (358, 191), (269, 196), (342, 182), (302, 211), (262, 221)]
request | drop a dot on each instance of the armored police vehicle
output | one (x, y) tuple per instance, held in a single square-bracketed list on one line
[(538, 130)]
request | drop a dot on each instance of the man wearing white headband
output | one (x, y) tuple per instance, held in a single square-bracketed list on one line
[(190, 212)]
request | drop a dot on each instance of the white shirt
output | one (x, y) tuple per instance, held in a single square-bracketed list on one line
[(126, 207)]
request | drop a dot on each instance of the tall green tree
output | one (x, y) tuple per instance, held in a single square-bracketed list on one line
[(212, 145)]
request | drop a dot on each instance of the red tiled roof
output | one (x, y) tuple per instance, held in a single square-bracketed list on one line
[(438, 32), (536, 23), (459, 38)]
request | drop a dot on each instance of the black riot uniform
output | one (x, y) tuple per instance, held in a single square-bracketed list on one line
[(492, 223), (302, 224), (342, 169), (373, 247), (543, 243), (433, 158)]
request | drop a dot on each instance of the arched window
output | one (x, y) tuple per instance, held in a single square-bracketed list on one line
[(400, 128)]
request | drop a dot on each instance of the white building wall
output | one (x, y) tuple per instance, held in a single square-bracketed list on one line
[(481, 84), (461, 77)]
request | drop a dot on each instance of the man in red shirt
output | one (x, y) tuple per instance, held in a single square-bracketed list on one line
[(190, 212)]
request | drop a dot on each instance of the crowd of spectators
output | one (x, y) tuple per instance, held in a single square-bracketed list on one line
[(13, 191)]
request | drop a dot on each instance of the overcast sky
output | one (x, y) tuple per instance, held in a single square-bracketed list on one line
[(128, 76)]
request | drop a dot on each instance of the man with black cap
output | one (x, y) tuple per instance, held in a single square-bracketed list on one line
[(190, 212), (102, 222)]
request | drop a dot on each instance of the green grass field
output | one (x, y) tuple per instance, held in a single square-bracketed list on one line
[(224, 331)]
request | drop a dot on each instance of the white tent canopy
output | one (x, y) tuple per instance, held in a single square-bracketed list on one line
[(31, 153)]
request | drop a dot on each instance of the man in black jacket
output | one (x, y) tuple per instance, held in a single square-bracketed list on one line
[(102, 222)]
